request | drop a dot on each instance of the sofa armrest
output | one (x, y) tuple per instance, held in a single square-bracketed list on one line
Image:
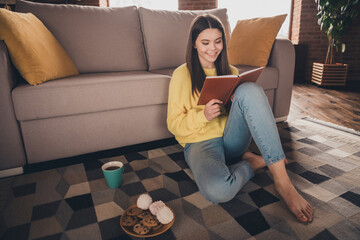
[(12, 154), (283, 58)]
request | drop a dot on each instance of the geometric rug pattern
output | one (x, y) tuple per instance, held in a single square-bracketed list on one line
[(74, 202)]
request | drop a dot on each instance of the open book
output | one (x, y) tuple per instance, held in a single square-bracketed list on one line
[(223, 87)]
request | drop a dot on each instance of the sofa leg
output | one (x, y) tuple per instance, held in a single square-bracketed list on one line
[(11, 172), (281, 119)]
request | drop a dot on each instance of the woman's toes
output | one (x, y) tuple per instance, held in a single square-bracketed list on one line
[(302, 218)]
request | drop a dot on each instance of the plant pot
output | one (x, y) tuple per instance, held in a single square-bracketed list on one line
[(329, 74)]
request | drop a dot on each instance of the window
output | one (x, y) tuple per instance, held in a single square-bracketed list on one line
[(152, 4), (238, 10)]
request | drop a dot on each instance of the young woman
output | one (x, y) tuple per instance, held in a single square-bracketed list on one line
[(216, 141)]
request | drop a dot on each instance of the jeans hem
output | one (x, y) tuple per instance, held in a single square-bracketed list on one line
[(275, 160)]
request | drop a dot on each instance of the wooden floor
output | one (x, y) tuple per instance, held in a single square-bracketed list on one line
[(337, 105)]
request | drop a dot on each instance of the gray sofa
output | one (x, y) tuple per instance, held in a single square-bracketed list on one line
[(125, 57)]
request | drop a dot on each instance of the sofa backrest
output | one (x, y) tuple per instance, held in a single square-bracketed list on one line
[(96, 39), (166, 33)]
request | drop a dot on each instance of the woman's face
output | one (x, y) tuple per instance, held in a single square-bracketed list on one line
[(209, 45)]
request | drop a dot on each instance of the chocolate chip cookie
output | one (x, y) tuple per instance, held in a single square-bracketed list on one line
[(141, 229), (134, 211), (157, 227), (129, 221), (149, 221), (143, 214)]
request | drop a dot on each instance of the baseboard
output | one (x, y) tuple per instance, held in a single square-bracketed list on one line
[(281, 119), (11, 172)]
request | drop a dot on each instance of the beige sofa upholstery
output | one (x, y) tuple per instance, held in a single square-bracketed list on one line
[(125, 57)]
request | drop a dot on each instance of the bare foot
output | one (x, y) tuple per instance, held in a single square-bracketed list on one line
[(255, 161), (296, 203)]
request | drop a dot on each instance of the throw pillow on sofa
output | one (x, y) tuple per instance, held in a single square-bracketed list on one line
[(97, 39), (252, 39), (34, 51)]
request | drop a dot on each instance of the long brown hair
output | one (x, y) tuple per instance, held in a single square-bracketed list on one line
[(197, 73)]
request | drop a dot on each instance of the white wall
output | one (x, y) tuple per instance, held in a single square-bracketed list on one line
[(241, 9)]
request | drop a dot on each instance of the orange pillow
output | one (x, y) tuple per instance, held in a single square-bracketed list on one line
[(252, 39), (33, 49)]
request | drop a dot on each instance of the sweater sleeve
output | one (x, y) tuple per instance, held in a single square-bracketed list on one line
[(184, 117)]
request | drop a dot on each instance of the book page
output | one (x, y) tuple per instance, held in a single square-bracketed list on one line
[(222, 87)]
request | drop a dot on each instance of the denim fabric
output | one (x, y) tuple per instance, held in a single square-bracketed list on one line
[(216, 164)]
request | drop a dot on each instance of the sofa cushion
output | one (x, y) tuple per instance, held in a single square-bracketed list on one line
[(166, 34), (96, 39), (33, 49), (252, 40), (164, 71), (85, 93)]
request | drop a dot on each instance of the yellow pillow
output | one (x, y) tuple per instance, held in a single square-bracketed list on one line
[(252, 39), (34, 51)]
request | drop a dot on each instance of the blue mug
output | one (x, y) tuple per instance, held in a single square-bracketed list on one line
[(113, 173)]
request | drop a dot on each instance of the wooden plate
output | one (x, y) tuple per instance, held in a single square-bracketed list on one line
[(152, 233)]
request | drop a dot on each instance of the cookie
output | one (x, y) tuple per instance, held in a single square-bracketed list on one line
[(149, 221), (165, 215), (143, 214), (140, 229), (128, 221), (155, 206), (157, 227), (134, 211), (144, 201)]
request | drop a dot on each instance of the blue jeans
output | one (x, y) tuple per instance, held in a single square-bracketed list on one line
[(216, 164)]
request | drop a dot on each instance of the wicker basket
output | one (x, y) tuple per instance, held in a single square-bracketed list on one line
[(329, 74)]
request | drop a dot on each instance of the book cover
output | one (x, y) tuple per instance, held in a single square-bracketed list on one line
[(222, 87)]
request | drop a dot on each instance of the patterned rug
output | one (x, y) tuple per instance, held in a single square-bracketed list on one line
[(73, 201)]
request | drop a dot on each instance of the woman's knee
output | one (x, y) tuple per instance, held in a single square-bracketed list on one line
[(248, 90), (217, 192)]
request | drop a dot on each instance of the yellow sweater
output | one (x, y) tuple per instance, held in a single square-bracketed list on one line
[(185, 119)]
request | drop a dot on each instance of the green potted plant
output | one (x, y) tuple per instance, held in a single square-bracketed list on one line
[(334, 17)]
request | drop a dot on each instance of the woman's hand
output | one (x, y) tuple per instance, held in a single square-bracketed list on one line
[(212, 109)]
